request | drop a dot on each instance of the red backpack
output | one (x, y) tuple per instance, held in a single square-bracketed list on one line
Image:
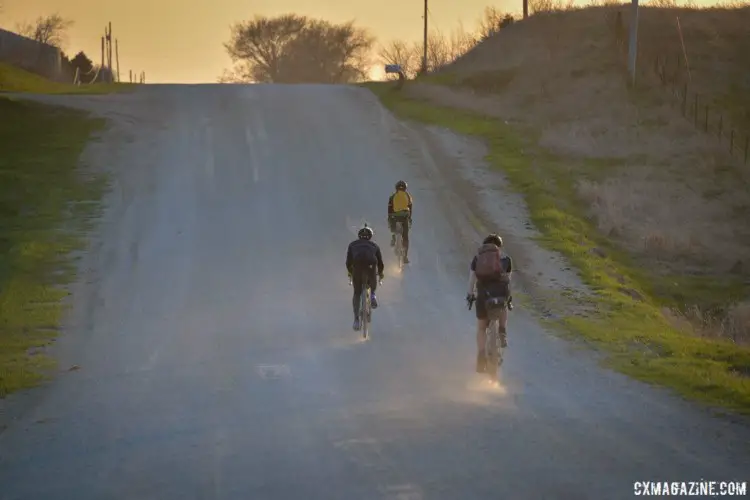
[(489, 263)]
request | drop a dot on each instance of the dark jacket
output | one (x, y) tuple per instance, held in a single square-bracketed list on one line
[(366, 248)]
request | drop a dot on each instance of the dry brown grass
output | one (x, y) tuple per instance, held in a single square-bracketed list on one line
[(669, 220), (573, 85), (670, 194), (733, 324)]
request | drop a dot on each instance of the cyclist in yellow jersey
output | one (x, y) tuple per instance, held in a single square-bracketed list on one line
[(400, 209)]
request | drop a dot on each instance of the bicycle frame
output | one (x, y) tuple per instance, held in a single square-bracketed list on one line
[(493, 347), (399, 247), (494, 351), (365, 310), (365, 306)]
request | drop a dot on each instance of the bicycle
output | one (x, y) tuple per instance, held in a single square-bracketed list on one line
[(365, 306), (399, 247), (493, 349)]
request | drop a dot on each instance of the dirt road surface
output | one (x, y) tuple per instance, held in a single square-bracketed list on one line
[(212, 328)]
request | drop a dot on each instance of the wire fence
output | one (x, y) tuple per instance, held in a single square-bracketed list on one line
[(698, 108)]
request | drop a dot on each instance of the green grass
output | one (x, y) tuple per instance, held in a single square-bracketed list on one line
[(44, 203), (483, 82), (13, 79), (637, 337), (444, 78)]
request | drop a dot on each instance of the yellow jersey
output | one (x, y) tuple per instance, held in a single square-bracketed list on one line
[(401, 201)]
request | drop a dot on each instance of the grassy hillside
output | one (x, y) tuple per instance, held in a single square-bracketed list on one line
[(41, 192), (13, 79), (666, 192), (654, 213), (564, 65)]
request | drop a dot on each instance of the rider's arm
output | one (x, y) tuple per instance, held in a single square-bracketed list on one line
[(349, 259), (390, 205), (411, 208), (472, 283), (381, 265), (472, 276)]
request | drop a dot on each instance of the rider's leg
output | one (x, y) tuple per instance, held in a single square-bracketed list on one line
[(481, 334), (503, 328), (481, 342), (405, 234), (481, 331), (372, 276), (357, 285), (392, 227)]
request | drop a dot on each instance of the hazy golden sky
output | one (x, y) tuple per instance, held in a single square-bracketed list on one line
[(181, 41)]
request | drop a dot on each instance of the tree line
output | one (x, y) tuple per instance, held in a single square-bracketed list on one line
[(297, 49)]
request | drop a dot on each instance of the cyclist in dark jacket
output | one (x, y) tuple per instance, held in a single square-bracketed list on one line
[(363, 260)]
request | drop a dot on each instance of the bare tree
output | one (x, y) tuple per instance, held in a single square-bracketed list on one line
[(229, 76), (492, 21), (255, 46), (403, 54), (443, 50), (327, 53), (52, 30), (295, 49), (461, 42)]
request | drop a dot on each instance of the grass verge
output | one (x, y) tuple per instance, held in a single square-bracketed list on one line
[(44, 200), (628, 325), (13, 79)]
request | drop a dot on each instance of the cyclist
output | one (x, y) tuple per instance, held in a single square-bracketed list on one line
[(363, 259), (400, 210), (490, 273)]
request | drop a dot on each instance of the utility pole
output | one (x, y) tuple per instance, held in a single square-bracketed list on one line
[(101, 66), (424, 54), (117, 59), (633, 48), (108, 37), (525, 9)]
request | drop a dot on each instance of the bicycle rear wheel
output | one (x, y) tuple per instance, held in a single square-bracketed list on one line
[(364, 311), (494, 349), (399, 245)]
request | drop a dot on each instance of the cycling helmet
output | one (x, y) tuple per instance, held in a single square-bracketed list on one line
[(401, 185), (366, 233), (493, 238)]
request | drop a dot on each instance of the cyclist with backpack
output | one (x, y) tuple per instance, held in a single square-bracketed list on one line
[(363, 259), (399, 210), (490, 274)]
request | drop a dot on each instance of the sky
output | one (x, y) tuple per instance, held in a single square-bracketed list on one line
[(182, 41)]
